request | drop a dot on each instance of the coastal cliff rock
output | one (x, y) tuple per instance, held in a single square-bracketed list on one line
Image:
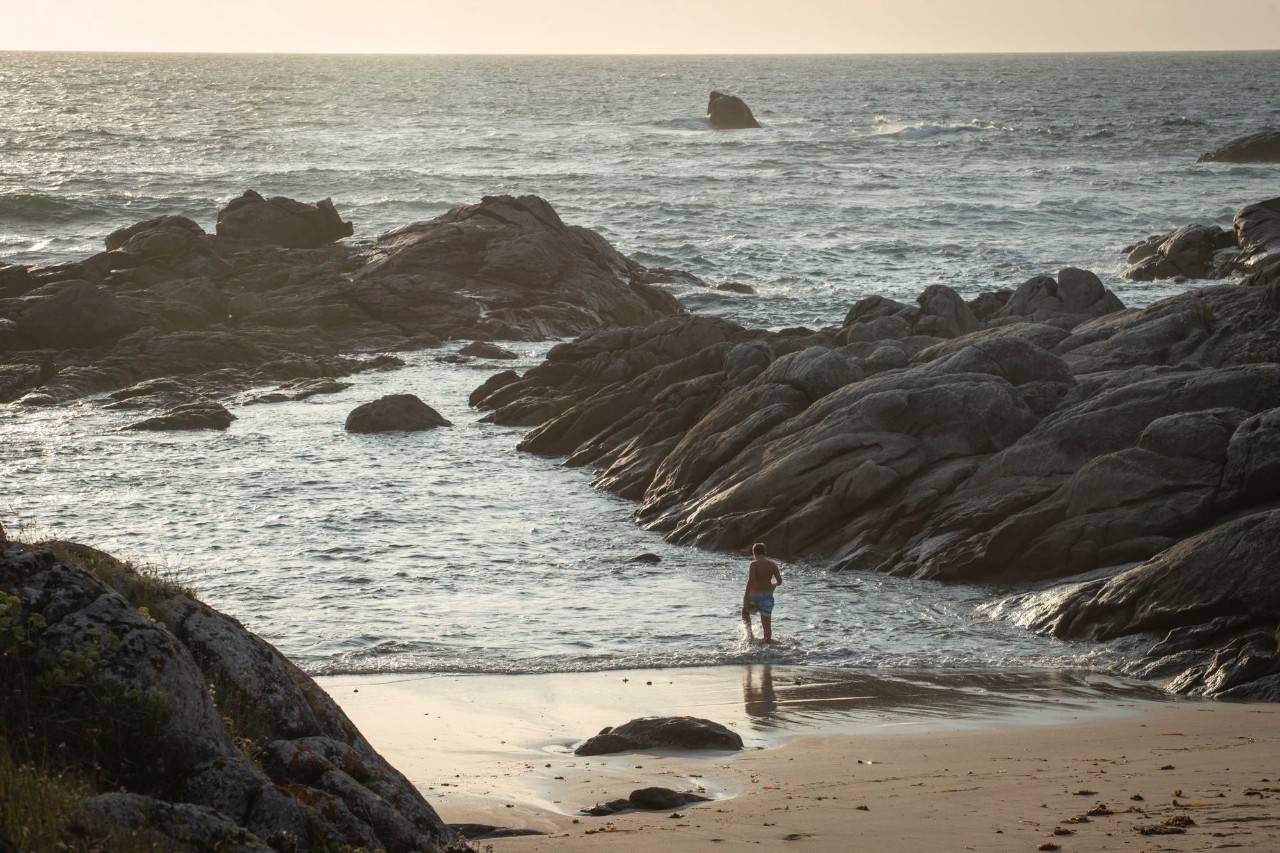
[(271, 298), (729, 112), (1260, 147), (191, 728), (1060, 434), (394, 413)]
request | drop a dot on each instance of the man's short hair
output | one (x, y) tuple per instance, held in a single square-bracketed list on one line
[(758, 549)]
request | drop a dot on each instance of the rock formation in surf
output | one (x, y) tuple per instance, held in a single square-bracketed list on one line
[(272, 298), (175, 726), (1196, 251), (1260, 147), (1016, 437), (729, 112)]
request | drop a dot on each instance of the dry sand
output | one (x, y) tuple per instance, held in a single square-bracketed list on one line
[(838, 761)]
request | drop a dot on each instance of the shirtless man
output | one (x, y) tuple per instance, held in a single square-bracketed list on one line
[(763, 578)]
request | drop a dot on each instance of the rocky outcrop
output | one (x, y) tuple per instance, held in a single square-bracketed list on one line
[(194, 729), (1211, 605), (1193, 251), (1260, 147), (280, 221), (271, 298), (661, 733), (394, 413), (1252, 247), (190, 416), (1058, 434), (729, 112)]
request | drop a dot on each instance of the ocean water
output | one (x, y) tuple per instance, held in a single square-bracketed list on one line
[(449, 551)]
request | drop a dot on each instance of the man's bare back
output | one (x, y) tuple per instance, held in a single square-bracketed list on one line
[(763, 577)]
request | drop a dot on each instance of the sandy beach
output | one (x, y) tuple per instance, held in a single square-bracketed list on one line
[(838, 760)]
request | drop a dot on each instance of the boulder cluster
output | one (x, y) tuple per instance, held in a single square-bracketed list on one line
[(1017, 437), (1251, 248), (273, 297)]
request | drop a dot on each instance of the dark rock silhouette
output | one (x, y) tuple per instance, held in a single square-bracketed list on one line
[(394, 413), (661, 732), (280, 221), (1260, 147), (1210, 603), (189, 416), (240, 309), (729, 112)]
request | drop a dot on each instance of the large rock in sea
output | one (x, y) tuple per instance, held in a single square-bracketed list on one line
[(191, 729), (506, 268), (729, 112), (280, 221), (1260, 147), (661, 732), (394, 413), (246, 308)]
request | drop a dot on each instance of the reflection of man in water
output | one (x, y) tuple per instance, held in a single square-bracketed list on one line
[(759, 699), (763, 578)]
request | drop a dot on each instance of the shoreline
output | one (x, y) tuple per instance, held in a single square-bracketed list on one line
[(935, 757)]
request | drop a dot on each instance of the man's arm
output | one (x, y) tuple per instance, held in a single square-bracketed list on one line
[(777, 576)]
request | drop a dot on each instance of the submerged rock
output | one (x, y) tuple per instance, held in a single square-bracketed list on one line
[(190, 416), (661, 733), (729, 112), (394, 413), (1260, 147)]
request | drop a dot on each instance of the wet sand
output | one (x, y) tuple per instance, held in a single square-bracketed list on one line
[(837, 760)]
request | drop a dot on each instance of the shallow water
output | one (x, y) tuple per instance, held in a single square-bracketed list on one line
[(449, 551)]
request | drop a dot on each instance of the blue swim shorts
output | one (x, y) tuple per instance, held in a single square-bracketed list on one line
[(760, 604)]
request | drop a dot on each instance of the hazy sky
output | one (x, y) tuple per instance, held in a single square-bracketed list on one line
[(638, 26)]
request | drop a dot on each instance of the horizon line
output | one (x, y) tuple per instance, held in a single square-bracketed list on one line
[(1065, 52)]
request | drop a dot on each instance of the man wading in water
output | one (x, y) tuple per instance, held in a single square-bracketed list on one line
[(763, 578)]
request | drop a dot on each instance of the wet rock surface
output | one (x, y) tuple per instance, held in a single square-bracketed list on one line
[(213, 739), (1210, 604), (274, 296), (661, 733), (394, 413), (646, 799), (188, 416)]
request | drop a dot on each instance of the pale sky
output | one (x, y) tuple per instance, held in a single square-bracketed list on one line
[(638, 26)]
